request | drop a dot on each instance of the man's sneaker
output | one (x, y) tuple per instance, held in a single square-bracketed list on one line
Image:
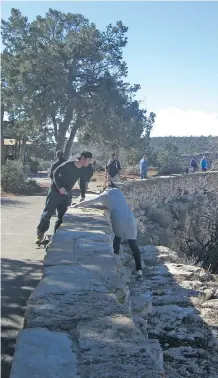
[(138, 274), (39, 238), (82, 199)]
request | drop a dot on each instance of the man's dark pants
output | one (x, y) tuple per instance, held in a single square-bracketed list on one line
[(54, 201)]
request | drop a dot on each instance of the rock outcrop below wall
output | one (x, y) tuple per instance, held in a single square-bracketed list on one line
[(185, 313), (162, 189), (79, 321)]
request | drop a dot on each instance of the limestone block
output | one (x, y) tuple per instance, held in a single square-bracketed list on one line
[(177, 324), (41, 353), (188, 362), (88, 277), (141, 304), (177, 298), (184, 271), (65, 311), (63, 238), (58, 280), (212, 303), (101, 255), (116, 345)]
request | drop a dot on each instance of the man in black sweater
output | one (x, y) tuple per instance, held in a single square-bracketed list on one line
[(64, 178), (59, 160)]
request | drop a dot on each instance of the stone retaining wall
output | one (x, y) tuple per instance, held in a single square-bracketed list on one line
[(157, 190), (81, 321)]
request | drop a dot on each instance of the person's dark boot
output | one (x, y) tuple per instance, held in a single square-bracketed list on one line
[(40, 237)]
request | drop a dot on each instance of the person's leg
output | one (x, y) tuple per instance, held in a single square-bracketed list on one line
[(50, 206), (116, 178), (136, 253), (61, 210), (113, 179), (116, 245)]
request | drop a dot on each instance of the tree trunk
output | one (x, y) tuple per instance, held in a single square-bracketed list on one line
[(22, 152), (2, 136), (117, 152), (64, 125), (60, 140), (69, 144)]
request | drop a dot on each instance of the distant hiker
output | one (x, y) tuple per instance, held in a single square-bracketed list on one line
[(64, 178), (59, 160), (113, 168), (88, 173), (94, 165), (193, 164), (143, 167), (122, 219), (204, 164)]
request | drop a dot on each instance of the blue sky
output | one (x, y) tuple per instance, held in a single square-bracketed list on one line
[(172, 52)]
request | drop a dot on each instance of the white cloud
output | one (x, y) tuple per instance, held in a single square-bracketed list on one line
[(177, 122)]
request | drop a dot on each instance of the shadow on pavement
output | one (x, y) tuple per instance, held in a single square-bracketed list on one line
[(19, 279), (12, 202)]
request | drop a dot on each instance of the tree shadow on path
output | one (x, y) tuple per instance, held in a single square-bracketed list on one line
[(19, 279)]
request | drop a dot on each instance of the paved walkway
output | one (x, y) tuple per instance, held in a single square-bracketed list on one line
[(21, 265)]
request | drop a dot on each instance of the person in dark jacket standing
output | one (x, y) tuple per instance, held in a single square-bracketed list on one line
[(193, 164), (59, 160), (113, 168), (64, 178)]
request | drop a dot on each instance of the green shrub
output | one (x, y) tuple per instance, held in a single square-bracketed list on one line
[(133, 170), (44, 165), (14, 180), (34, 165)]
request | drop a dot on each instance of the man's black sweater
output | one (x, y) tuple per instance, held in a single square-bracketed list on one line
[(66, 175)]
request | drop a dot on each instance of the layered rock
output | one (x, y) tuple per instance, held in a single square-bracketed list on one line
[(184, 314)]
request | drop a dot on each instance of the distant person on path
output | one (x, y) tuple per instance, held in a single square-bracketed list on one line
[(204, 164), (122, 218), (94, 165), (64, 178), (59, 160), (113, 168), (193, 164), (143, 167)]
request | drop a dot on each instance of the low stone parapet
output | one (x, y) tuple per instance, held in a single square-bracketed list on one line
[(79, 320)]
